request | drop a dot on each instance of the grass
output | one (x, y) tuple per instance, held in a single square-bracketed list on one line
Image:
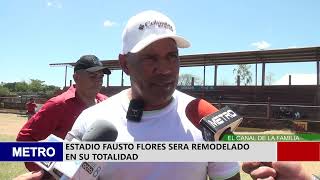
[(9, 170)]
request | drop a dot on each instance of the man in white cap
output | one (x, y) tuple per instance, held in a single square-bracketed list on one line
[(150, 57)]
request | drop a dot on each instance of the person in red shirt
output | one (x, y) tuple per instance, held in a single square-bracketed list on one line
[(59, 113), (31, 108)]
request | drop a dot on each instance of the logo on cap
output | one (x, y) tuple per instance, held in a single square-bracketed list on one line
[(141, 27), (152, 24)]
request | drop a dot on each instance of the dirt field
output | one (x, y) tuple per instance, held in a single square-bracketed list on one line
[(10, 124)]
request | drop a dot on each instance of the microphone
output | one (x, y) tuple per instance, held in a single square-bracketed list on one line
[(135, 110), (212, 122), (100, 130)]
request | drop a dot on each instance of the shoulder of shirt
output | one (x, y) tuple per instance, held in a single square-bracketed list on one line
[(105, 105), (182, 96), (71, 94), (68, 94), (58, 100), (61, 99)]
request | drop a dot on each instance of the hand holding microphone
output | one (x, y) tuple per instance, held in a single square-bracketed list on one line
[(212, 122), (34, 175), (281, 170)]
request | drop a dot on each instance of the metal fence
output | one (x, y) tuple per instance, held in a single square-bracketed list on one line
[(277, 116)]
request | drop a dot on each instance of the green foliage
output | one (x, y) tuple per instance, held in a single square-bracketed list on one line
[(243, 70), (35, 86), (50, 90), (9, 170), (4, 91), (21, 86), (10, 86), (17, 86)]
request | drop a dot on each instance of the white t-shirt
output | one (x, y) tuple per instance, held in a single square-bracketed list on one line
[(167, 124)]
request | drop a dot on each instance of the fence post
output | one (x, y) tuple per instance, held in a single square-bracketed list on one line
[(192, 81), (289, 80), (238, 80), (219, 102), (269, 109)]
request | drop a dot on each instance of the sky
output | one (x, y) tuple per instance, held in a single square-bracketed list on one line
[(35, 33)]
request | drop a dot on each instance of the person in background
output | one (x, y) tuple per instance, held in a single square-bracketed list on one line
[(58, 114), (31, 108)]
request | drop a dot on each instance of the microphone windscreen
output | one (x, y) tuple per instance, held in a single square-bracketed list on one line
[(198, 109), (101, 130), (135, 110)]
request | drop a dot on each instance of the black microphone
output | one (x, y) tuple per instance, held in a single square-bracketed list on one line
[(212, 122), (135, 110), (101, 131)]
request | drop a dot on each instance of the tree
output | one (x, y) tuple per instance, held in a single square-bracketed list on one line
[(186, 80), (269, 78), (50, 90), (10, 86), (4, 91), (243, 70), (36, 85), (21, 86)]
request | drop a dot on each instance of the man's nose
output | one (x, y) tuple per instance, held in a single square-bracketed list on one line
[(164, 66)]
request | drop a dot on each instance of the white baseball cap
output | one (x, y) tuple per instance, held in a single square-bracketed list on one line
[(146, 28)]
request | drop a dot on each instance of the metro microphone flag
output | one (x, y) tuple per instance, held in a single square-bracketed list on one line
[(70, 169), (100, 130), (218, 123), (212, 122)]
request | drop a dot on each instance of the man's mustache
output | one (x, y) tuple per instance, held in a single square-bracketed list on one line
[(163, 79)]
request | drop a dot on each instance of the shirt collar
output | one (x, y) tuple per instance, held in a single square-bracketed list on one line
[(71, 92)]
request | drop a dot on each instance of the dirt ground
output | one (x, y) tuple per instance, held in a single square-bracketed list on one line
[(10, 124)]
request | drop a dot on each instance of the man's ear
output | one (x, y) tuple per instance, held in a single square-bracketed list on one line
[(123, 63), (75, 77)]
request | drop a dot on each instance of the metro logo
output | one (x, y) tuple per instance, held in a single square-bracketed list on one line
[(220, 117), (33, 152)]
